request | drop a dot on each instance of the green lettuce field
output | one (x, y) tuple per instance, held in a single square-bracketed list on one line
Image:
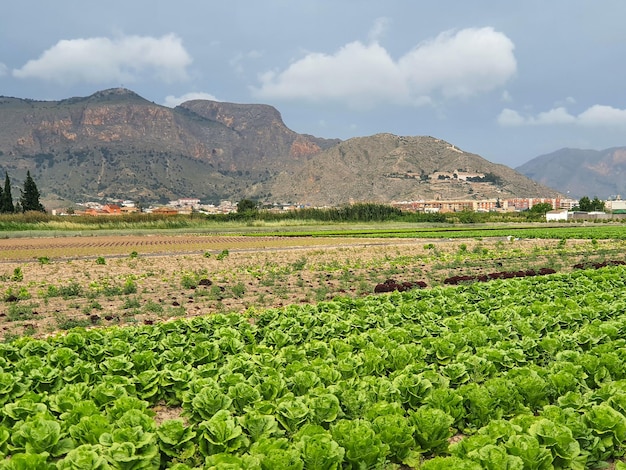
[(526, 373)]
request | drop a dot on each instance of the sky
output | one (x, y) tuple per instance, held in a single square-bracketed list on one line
[(506, 80)]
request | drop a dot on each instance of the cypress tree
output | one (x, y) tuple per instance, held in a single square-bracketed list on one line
[(30, 196), (6, 199)]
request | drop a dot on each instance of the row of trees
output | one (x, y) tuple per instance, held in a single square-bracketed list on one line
[(590, 205), (29, 198)]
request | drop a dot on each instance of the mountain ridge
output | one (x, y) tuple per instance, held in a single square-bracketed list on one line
[(581, 172), (116, 144)]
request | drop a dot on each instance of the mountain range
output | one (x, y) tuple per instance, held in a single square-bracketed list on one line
[(116, 144), (578, 172)]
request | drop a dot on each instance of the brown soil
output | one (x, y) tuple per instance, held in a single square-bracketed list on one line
[(53, 284)]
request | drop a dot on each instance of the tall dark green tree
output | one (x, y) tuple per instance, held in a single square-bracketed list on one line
[(584, 204), (247, 206), (29, 201), (597, 204), (6, 198)]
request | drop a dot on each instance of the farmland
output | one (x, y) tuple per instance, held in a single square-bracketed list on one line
[(238, 351)]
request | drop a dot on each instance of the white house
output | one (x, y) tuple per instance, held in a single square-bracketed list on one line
[(556, 215)]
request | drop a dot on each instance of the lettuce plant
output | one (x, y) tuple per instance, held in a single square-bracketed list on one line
[(84, 457), (533, 455), (38, 436), (277, 453), (208, 402), (12, 386), (148, 384), (492, 457), (130, 448), (242, 395), (81, 409), (66, 398), (318, 449), (25, 408), (221, 433), (609, 426), (258, 425), (176, 440), (558, 439), (432, 429), (5, 435), (292, 412), (413, 389), (89, 429), (363, 447), (396, 431), (20, 461), (325, 408), (447, 463)]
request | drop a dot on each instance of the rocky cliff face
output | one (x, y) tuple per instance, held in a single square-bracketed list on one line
[(115, 143)]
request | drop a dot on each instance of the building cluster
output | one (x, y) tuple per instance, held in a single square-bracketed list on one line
[(179, 206), (614, 209), (483, 205), (562, 208)]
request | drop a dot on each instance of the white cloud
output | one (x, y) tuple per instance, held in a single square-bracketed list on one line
[(463, 64), (603, 116), (555, 116), (454, 65), (173, 101), (510, 118), (506, 96), (379, 29), (98, 60), (3, 69), (353, 73), (595, 116)]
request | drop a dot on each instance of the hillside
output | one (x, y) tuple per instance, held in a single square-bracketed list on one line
[(386, 167), (117, 144), (579, 172)]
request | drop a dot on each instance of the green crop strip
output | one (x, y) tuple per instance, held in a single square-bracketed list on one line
[(597, 232)]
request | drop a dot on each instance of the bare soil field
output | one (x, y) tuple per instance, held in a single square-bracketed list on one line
[(53, 284)]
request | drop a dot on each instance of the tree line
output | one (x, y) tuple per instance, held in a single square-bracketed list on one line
[(590, 205), (28, 200)]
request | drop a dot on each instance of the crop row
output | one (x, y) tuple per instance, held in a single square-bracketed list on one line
[(391, 285), (542, 231)]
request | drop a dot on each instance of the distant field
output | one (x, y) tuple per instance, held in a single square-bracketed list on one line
[(109, 245), (23, 245), (599, 231)]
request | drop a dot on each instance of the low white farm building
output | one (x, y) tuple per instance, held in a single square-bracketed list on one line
[(556, 215)]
